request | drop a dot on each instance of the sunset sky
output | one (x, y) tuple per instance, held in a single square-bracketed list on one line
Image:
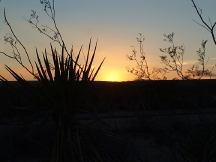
[(115, 24)]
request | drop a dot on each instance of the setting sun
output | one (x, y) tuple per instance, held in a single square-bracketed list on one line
[(112, 76)]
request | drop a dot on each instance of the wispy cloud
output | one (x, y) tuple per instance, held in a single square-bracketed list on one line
[(190, 62), (214, 58)]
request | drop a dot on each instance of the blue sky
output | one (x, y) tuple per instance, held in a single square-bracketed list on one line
[(115, 23)]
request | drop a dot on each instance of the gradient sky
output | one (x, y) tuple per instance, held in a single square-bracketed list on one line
[(115, 23)]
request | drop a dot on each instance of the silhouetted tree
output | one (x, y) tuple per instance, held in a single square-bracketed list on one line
[(173, 56), (141, 67), (173, 59), (200, 69)]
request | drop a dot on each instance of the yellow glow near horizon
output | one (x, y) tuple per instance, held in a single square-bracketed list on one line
[(113, 75)]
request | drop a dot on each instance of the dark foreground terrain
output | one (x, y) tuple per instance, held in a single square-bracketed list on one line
[(130, 121)]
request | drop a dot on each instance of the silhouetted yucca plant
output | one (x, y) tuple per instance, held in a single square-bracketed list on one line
[(59, 76), (66, 68), (63, 67)]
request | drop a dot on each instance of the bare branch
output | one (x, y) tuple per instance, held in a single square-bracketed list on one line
[(12, 57), (49, 9), (141, 67), (210, 27), (199, 12), (173, 56), (42, 31), (201, 25), (18, 40)]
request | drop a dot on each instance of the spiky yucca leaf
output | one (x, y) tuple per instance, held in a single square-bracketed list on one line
[(76, 67), (48, 68), (87, 72), (55, 64), (40, 69), (3, 79), (88, 53), (98, 69), (16, 76)]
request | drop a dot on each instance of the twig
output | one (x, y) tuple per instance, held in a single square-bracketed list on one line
[(18, 40), (209, 27)]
